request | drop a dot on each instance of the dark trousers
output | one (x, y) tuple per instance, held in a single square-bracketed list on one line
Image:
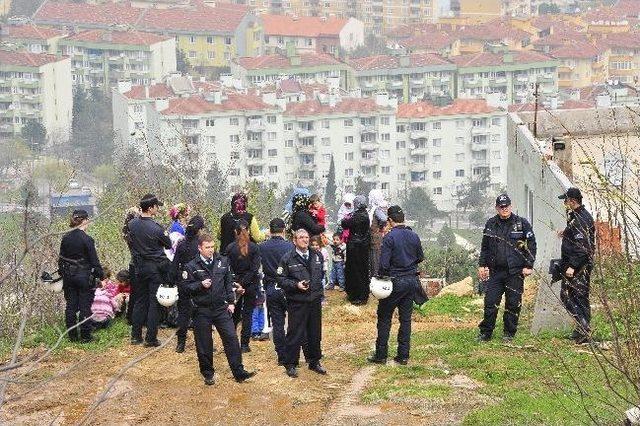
[(203, 320), (147, 309), (78, 293), (133, 294), (184, 313), (244, 313), (574, 294), (277, 309), (511, 285), (402, 298), (304, 329)]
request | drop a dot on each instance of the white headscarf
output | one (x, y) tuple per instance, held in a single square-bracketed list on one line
[(344, 210), (376, 201)]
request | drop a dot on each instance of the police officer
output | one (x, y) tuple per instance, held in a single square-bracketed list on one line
[(208, 278), (78, 264), (578, 245), (186, 251), (271, 252), (400, 254), (507, 255), (300, 275), (153, 268)]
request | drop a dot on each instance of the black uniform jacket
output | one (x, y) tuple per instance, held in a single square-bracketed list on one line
[(510, 245), (221, 293), (578, 240), (293, 269), (78, 255)]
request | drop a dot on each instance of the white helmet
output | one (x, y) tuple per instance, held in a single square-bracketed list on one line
[(167, 296), (381, 288)]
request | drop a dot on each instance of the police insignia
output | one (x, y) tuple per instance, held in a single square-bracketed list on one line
[(185, 275), (279, 271)]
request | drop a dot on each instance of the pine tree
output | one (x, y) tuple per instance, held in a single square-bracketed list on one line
[(330, 191)]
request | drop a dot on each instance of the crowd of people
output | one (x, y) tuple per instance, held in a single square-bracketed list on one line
[(222, 281)]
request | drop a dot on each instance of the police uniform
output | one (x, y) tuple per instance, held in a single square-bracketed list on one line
[(508, 246), (186, 251), (271, 252), (578, 245), (400, 254), (304, 308), (79, 265), (210, 309)]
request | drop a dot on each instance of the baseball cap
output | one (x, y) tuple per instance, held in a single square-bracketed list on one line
[(276, 225), (394, 210), (503, 200), (80, 214), (150, 200), (571, 193)]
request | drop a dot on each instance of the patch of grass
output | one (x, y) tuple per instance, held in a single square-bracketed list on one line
[(447, 304)]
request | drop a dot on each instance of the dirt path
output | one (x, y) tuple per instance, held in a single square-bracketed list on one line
[(167, 388)]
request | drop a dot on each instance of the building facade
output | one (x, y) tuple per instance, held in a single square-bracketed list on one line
[(31, 38)]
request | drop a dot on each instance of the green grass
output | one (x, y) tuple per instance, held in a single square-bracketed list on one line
[(528, 382), (447, 305)]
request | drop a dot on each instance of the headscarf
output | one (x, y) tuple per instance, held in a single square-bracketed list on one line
[(343, 211), (195, 224), (177, 210), (296, 191), (359, 203), (300, 202), (239, 203), (376, 201), (129, 215)]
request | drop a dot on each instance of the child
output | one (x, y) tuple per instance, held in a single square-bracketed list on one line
[(102, 308), (123, 282), (317, 210), (339, 251), (316, 244), (108, 284)]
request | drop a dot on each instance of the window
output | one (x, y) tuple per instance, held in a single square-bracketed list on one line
[(384, 186), (497, 155), (384, 121), (401, 145), (288, 126), (437, 191), (348, 139), (460, 173), (192, 54), (210, 40), (227, 41), (266, 39), (385, 153), (272, 119), (325, 141), (192, 39), (437, 158), (272, 153), (348, 173), (495, 121), (437, 125), (234, 121), (211, 54), (459, 157), (254, 153), (385, 137), (326, 124), (210, 122), (348, 123), (235, 155), (271, 136), (437, 175), (495, 138), (400, 128), (273, 170), (437, 142), (137, 108), (234, 138), (348, 156), (386, 170), (495, 170), (288, 160), (326, 157), (211, 140), (288, 143)]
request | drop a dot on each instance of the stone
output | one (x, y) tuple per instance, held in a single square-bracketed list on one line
[(460, 289)]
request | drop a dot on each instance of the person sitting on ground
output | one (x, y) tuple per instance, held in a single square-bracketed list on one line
[(123, 282), (107, 283), (103, 308)]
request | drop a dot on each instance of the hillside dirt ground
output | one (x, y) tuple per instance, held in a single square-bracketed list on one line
[(167, 388)]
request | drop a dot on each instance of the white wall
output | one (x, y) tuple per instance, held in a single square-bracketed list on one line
[(163, 58), (57, 97), (352, 34)]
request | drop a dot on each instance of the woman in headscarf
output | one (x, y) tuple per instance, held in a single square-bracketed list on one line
[(357, 263), (179, 214), (229, 221), (345, 211), (301, 218), (378, 218)]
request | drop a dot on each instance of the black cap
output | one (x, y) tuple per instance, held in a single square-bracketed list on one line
[(150, 200), (571, 193), (276, 225), (80, 214), (394, 210), (503, 200)]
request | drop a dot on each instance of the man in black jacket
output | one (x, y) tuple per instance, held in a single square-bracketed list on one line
[(578, 246), (148, 241), (507, 255), (300, 275), (208, 278)]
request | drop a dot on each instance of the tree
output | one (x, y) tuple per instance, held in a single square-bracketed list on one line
[(548, 9), (217, 187), (35, 135), (477, 218), (92, 129), (373, 45), (12, 154), (473, 193), (54, 174), (330, 191), (362, 187), (105, 174), (182, 63), (446, 237), (24, 7), (420, 207)]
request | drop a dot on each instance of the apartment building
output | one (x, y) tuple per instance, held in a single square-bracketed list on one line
[(581, 64), (31, 38), (512, 75), (311, 34), (486, 10), (440, 42), (498, 32), (406, 77), (103, 57), (442, 148), (624, 56), (208, 34), (35, 86)]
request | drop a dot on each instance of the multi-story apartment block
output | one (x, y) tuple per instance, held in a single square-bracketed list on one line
[(624, 56), (209, 35), (102, 57), (31, 38), (311, 34), (511, 74), (581, 64), (486, 10), (318, 67), (35, 87), (476, 38), (442, 148), (440, 42), (407, 77)]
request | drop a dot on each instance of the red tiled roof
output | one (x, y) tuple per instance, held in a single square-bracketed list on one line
[(196, 104), (576, 50), (304, 26), (628, 8), (485, 59), (156, 91), (28, 59), (84, 13), (433, 41), (560, 39), (380, 62), (31, 32), (458, 107), (281, 61), (603, 14), (492, 31), (345, 105), (622, 40), (118, 37), (568, 104)]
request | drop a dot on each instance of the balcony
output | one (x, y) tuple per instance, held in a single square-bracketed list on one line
[(479, 130), (308, 167), (6, 96), (31, 83), (370, 178), (368, 84), (418, 134), (369, 146), (418, 167), (255, 126), (417, 82), (522, 79), (6, 127), (190, 131), (479, 146), (480, 162), (368, 128), (395, 84), (423, 150), (254, 144), (255, 161), (445, 79), (418, 183), (369, 161), (306, 133), (472, 82), (499, 81), (306, 149)]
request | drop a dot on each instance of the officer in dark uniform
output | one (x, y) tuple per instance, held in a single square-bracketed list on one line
[(400, 254), (300, 275), (208, 278), (186, 251), (78, 265), (147, 243), (271, 252), (507, 255), (578, 246)]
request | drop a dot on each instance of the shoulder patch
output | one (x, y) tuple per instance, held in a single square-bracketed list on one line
[(279, 271), (185, 275)]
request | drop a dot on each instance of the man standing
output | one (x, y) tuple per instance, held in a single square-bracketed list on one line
[(208, 278), (147, 243), (271, 252), (507, 255), (400, 254), (578, 246), (300, 275)]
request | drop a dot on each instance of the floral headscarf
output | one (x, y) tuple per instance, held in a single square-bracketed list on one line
[(300, 202), (180, 209), (239, 203)]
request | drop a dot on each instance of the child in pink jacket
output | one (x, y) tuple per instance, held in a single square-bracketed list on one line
[(103, 308)]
